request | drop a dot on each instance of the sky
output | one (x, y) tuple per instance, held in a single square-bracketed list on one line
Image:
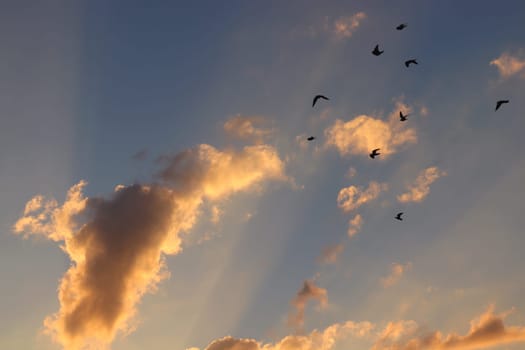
[(158, 190)]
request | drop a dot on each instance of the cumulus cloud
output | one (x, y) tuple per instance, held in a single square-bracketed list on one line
[(354, 225), (509, 65), (417, 191), (396, 272), (362, 134), (309, 291), (117, 244), (317, 340), (248, 128), (344, 27), (485, 331), (352, 197), (330, 254)]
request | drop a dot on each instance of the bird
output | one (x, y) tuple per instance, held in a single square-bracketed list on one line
[(407, 63), (376, 51), (318, 97), (374, 153), (500, 102), (401, 26), (398, 216), (402, 117), (311, 138)]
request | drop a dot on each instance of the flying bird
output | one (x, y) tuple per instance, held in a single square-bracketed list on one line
[(311, 138), (376, 51), (374, 153), (401, 26), (402, 117), (407, 63), (500, 102), (398, 216), (318, 97)]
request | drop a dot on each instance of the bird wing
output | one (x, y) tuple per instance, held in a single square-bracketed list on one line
[(315, 100), (324, 97)]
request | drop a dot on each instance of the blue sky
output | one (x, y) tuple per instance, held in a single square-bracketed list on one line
[(86, 86)]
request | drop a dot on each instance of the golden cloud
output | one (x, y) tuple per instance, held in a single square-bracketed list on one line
[(118, 244), (352, 197), (344, 27), (362, 134), (354, 225), (509, 65), (330, 254), (421, 187), (396, 272), (307, 292), (248, 128)]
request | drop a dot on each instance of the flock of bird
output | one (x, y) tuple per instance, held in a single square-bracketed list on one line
[(402, 117)]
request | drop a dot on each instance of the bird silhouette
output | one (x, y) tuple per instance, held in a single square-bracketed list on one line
[(500, 102), (311, 138), (376, 51), (398, 216), (402, 117), (374, 153), (407, 63), (318, 97), (401, 26)]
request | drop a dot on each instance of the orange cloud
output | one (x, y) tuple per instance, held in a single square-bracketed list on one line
[(248, 128), (354, 225), (307, 292), (118, 244), (486, 331), (330, 254), (344, 27), (352, 197), (509, 65), (363, 133), (396, 272), (421, 187)]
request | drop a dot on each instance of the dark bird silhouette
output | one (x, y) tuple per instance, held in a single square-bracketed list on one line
[(402, 117), (374, 153), (407, 63), (398, 216), (376, 51), (311, 138), (500, 102), (318, 97), (401, 26)]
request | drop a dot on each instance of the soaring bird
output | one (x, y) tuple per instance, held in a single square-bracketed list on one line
[(402, 117), (376, 51), (401, 26), (500, 102), (318, 97), (407, 63), (374, 153), (311, 138), (398, 216)]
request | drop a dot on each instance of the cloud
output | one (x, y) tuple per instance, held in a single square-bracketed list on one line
[(362, 134), (307, 292), (354, 225), (316, 340), (421, 187), (248, 128), (344, 27), (117, 244), (485, 331), (509, 65), (396, 272), (351, 173), (330, 254), (352, 197)]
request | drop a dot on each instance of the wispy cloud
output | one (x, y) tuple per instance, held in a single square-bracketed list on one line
[(117, 243), (330, 254), (417, 191), (352, 197), (309, 291), (364, 133), (396, 272), (344, 27), (509, 65), (354, 225), (338, 29), (248, 128)]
